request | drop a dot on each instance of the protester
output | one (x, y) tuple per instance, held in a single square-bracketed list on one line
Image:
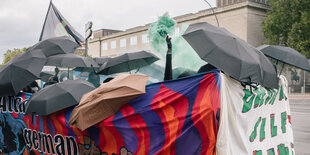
[(63, 76), (50, 81), (168, 67), (34, 86), (28, 89), (55, 77), (94, 79)]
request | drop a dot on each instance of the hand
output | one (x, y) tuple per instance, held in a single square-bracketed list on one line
[(168, 40)]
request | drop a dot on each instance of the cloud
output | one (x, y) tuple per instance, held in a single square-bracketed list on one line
[(22, 20)]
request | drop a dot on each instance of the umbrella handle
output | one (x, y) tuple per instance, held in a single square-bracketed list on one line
[(93, 69)]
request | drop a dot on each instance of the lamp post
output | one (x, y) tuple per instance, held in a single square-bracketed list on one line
[(218, 25)]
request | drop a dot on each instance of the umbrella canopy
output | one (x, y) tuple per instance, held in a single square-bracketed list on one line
[(231, 54), (101, 61), (57, 45), (70, 60), (20, 72), (58, 96), (127, 62), (286, 55), (106, 100)]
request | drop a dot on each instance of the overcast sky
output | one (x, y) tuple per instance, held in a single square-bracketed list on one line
[(22, 20)]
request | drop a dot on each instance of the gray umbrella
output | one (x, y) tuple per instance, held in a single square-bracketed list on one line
[(127, 62), (70, 60), (20, 72), (99, 61), (232, 55), (286, 55), (57, 45), (58, 96)]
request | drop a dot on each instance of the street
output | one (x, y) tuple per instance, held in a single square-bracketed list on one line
[(300, 112)]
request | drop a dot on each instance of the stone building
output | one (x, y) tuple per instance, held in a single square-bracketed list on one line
[(241, 17)]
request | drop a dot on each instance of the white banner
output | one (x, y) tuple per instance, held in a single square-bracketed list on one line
[(254, 123)]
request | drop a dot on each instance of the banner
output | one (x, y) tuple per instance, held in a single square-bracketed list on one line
[(173, 117), (55, 25), (257, 122)]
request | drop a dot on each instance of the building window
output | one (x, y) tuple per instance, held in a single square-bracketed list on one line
[(113, 44), (133, 40), (122, 43), (144, 38), (104, 46)]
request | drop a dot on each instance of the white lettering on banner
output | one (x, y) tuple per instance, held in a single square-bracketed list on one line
[(12, 104), (257, 122), (46, 143)]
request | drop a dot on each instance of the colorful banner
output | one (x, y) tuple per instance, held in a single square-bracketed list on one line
[(174, 117), (257, 122)]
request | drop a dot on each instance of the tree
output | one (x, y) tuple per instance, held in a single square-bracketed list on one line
[(10, 54), (288, 24)]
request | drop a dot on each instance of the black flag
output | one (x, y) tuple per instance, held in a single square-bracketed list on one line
[(56, 25)]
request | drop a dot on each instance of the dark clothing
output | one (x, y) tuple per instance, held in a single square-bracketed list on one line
[(55, 79), (168, 68)]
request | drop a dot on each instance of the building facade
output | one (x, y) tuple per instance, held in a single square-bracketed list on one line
[(241, 17)]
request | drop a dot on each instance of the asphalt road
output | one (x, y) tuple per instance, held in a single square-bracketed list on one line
[(300, 113)]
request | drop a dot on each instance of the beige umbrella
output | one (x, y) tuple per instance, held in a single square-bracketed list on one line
[(106, 100)]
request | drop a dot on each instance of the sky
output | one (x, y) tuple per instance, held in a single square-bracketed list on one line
[(21, 21)]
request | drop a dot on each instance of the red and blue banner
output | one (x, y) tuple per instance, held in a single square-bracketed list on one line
[(173, 117)]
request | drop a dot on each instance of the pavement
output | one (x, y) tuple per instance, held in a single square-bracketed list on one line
[(300, 112)]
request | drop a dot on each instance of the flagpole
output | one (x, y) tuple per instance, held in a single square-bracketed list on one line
[(41, 35)]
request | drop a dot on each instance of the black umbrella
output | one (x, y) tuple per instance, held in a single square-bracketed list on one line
[(232, 55), (57, 45), (70, 60), (58, 96), (127, 62), (20, 72), (286, 55)]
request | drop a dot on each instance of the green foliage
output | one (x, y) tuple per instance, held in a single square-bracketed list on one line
[(288, 24), (10, 54)]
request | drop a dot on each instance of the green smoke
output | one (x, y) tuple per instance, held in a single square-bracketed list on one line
[(183, 55), (158, 31), (184, 58)]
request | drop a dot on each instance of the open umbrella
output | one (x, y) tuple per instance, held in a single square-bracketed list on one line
[(58, 96), (101, 61), (106, 100), (231, 54), (57, 45), (286, 55), (20, 72), (127, 62), (70, 60)]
